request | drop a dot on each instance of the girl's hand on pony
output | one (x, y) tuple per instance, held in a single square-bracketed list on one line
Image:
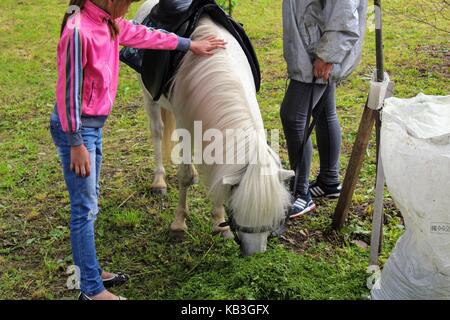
[(80, 161), (207, 46)]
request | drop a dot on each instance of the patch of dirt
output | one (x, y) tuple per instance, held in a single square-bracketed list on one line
[(23, 54), (435, 51), (263, 42), (299, 236)]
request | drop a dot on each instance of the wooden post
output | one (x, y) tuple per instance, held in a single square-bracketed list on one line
[(364, 133), (354, 167)]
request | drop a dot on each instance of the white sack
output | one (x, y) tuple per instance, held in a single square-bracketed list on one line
[(415, 148)]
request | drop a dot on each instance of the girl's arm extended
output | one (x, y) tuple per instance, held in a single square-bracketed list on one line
[(139, 36)]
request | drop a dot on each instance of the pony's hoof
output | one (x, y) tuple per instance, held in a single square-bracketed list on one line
[(228, 235), (195, 180), (158, 191), (177, 235)]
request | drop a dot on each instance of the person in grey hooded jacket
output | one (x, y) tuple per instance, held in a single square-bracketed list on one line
[(322, 45)]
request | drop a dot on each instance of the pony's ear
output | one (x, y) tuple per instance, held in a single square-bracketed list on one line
[(285, 174), (232, 179)]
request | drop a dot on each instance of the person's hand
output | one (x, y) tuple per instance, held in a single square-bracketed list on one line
[(322, 69), (207, 46), (80, 161)]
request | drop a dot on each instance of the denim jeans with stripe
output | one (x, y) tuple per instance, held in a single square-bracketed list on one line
[(83, 193)]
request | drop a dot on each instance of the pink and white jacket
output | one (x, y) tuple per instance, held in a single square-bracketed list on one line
[(88, 66)]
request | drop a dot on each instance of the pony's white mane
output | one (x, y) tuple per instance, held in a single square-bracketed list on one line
[(209, 89)]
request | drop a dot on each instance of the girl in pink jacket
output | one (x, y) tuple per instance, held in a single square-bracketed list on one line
[(88, 71)]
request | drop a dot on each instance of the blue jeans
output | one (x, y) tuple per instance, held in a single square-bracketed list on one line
[(83, 193)]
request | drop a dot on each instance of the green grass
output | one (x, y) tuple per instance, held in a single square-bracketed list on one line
[(311, 262)]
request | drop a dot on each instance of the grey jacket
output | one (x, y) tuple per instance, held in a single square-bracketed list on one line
[(332, 30)]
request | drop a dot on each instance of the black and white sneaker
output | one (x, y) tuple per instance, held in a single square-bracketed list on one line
[(301, 206), (320, 190)]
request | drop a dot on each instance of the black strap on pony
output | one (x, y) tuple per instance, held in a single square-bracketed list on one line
[(234, 228)]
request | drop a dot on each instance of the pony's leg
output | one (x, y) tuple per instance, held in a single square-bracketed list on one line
[(219, 218), (153, 109), (185, 180)]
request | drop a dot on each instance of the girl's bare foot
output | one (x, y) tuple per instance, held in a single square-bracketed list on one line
[(107, 275)]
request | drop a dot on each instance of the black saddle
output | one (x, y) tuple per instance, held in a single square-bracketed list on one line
[(158, 67), (170, 13)]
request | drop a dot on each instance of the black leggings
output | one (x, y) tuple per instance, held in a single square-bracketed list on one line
[(294, 111)]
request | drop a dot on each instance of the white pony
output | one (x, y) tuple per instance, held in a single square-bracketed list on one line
[(219, 91)]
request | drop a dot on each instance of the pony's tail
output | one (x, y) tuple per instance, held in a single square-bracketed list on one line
[(261, 199), (168, 119)]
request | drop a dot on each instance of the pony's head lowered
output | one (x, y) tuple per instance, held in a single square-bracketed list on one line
[(219, 91), (258, 199)]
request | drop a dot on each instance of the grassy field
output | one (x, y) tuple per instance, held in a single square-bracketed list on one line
[(310, 262)]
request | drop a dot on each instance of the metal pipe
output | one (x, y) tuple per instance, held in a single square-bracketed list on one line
[(377, 219), (379, 41)]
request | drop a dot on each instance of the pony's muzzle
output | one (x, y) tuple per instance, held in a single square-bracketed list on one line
[(252, 243)]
